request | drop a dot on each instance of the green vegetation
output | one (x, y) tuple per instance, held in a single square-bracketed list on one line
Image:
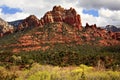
[(64, 59), (45, 72), (9, 39), (63, 55)]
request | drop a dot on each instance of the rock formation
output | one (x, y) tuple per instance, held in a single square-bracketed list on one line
[(58, 26), (59, 14), (5, 28), (29, 22), (103, 36), (116, 35), (64, 27)]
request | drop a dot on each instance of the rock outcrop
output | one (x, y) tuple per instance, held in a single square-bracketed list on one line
[(103, 36), (29, 22), (5, 28), (59, 14), (116, 35)]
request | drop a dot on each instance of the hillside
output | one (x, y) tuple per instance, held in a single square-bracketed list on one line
[(59, 39), (59, 26)]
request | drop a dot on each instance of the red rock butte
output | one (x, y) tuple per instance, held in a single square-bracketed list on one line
[(61, 26), (59, 14), (68, 16)]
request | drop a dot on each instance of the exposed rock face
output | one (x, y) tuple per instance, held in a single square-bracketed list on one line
[(116, 35), (90, 26), (103, 36), (59, 14), (29, 22), (27, 44), (5, 28)]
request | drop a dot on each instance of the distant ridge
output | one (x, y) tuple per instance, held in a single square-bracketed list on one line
[(112, 28), (15, 23)]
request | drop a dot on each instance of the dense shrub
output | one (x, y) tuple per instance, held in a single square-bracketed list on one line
[(75, 55), (63, 55)]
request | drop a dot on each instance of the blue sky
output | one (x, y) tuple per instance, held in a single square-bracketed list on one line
[(100, 12), (91, 12), (8, 10)]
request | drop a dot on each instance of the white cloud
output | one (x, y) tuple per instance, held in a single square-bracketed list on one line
[(88, 19), (17, 16), (12, 17), (37, 7), (110, 4), (106, 17), (113, 16), (108, 10), (0, 12)]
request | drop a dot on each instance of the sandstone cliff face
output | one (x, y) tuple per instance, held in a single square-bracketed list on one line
[(5, 28), (29, 22), (59, 14)]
